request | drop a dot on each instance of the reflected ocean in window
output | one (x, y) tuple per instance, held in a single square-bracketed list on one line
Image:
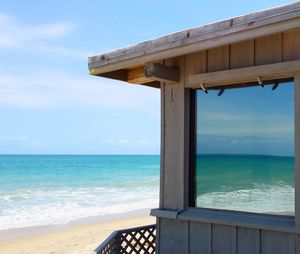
[(245, 149)]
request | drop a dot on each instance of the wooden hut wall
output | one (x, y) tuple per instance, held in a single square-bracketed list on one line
[(184, 236), (270, 49)]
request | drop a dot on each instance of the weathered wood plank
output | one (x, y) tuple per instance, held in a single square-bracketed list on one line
[(225, 32), (223, 239), (268, 49), (195, 63), (242, 54), (173, 237), (291, 45), (158, 230), (297, 148), (160, 72), (218, 59), (137, 76), (277, 243), (175, 102), (162, 145), (248, 241), (200, 238), (118, 74), (245, 20), (234, 218), (297, 251), (248, 74)]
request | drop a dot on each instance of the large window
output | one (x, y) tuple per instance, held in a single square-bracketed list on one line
[(245, 149)]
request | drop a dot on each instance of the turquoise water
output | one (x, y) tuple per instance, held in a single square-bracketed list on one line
[(42, 190), (252, 183), (49, 189)]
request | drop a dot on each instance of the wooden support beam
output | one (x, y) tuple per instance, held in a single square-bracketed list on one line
[(242, 75), (161, 72), (137, 76), (118, 74), (153, 72)]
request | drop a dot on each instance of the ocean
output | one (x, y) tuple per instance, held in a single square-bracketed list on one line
[(40, 190), (251, 183), (56, 189)]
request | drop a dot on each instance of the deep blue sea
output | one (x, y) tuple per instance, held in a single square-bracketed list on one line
[(55, 189)]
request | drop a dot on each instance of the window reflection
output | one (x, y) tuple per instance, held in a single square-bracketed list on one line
[(245, 149)]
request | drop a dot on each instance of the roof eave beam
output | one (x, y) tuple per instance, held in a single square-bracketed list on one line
[(162, 73)]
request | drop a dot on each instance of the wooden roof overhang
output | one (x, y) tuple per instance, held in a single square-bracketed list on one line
[(142, 63)]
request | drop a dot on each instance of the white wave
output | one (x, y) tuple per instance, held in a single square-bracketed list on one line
[(25, 208), (262, 199)]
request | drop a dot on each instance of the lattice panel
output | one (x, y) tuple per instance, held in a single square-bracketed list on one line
[(141, 241), (110, 248), (130, 241)]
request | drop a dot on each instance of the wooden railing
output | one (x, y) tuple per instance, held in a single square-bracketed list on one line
[(139, 240)]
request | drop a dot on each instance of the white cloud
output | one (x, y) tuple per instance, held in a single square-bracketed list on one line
[(53, 30), (14, 34), (136, 143), (219, 116), (6, 19), (14, 138), (278, 129), (8, 144), (54, 89)]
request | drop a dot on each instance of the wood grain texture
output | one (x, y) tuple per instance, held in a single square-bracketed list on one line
[(136, 76), (118, 74), (223, 239), (195, 63), (242, 54), (247, 74), (277, 243), (291, 45), (174, 131), (161, 72), (248, 241), (218, 59), (221, 33), (173, 237), (297, 250), (200, 238), (162, 145), (268, 49)]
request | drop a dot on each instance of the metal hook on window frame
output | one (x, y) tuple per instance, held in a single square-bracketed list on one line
[(276, 84), (203, 88), (221, 91), (260, 82)]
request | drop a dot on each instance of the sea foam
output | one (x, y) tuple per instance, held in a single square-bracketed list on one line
[(277, 199), (25, 208)]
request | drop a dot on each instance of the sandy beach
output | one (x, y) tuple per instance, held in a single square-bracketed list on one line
[(74, 239)]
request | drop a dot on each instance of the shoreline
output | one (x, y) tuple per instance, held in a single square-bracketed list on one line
[(17, 233), (72, 238)]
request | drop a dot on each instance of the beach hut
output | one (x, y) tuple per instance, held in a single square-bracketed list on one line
[(258, 52)]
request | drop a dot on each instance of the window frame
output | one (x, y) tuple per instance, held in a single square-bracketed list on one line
[(285, 221)]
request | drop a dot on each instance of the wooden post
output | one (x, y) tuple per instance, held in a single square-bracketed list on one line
[(175, 142), (297, 150), (175, 99)]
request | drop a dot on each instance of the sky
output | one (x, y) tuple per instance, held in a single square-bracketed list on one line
[(252, 120), (48, 102)]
